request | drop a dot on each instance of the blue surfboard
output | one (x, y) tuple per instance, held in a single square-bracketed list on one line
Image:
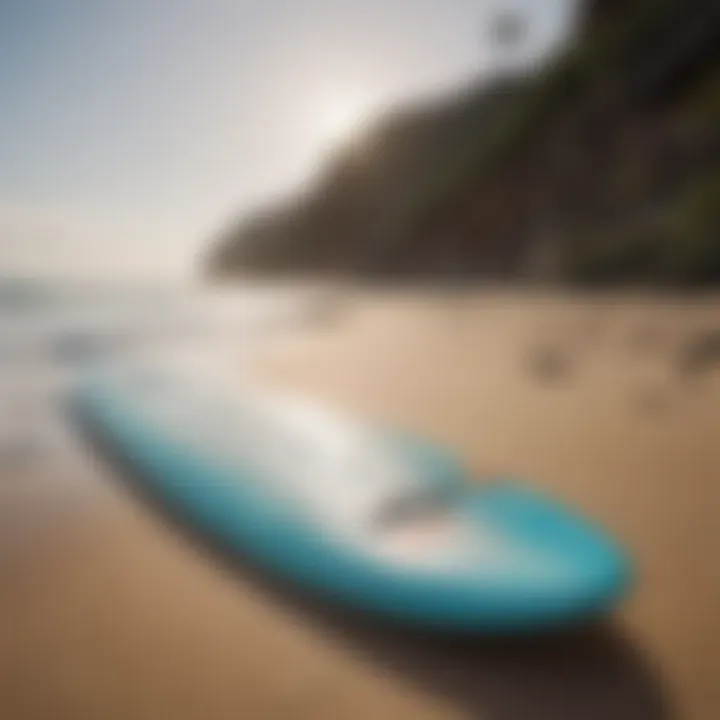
[(369, 518)]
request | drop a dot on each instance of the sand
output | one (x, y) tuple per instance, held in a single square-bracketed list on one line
[(110, 614), (110, 609), (613, 428)]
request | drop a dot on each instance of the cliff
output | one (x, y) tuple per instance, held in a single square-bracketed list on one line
[(601, 167)]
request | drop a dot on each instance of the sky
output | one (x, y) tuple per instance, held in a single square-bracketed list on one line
[(131, 130)]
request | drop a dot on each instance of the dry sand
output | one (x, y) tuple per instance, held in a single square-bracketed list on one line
[(611, 426), (109, 611)]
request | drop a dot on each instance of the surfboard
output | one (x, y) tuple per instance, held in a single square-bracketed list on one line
[(368, 517)]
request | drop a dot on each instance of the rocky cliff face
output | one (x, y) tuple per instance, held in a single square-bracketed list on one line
[(603, 167)]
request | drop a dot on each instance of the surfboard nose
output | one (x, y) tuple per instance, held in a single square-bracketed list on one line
[(572, 567)]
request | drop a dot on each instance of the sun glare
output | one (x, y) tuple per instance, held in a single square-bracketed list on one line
[(340, 118)]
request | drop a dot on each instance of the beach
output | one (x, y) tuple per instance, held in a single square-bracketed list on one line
[(587, 396), (111, 609)]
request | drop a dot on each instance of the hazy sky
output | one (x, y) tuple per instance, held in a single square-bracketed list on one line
[(130, 129)]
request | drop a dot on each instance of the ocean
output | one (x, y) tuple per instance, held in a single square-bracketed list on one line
[(51, 333)]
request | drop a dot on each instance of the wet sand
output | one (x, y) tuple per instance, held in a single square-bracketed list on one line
[(111, 609)]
